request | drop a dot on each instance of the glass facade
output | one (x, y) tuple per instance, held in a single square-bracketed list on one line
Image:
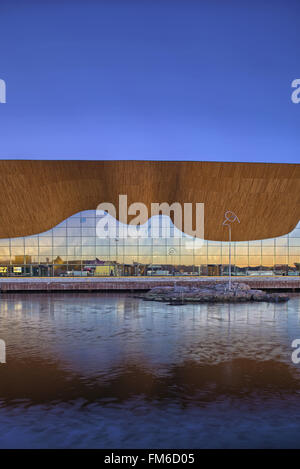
[(73, 248)]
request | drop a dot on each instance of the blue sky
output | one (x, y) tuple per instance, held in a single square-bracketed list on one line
[(150, 80)]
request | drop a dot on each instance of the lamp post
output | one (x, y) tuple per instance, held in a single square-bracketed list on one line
[(171, 253), (116, 244), (230, 217)]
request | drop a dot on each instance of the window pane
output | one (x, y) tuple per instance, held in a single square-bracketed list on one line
[(4, 251), (268, 242), (45, 242), (267, 251), (89, 232), (88, 222), (32, 241), (88, 241), (294, 242), (74, 231), (267, 260), (59, 231), (281, 241), (74, 222), (58, 242), (17, 241), (74, 241)]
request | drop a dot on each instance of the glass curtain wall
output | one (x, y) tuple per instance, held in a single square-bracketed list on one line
[(73, 248)]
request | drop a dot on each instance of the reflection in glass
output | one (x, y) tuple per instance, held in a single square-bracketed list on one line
[(72, 246)]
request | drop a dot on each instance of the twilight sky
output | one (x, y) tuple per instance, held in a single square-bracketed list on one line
[(150, 80)]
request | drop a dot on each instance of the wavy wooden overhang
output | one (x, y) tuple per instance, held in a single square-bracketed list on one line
[(37, 195)]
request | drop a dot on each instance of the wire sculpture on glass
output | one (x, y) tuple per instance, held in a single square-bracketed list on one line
[(230, 218)]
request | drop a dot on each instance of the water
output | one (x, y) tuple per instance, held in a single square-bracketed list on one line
[(102, 370)]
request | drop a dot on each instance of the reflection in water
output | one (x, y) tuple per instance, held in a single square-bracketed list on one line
[(96, 370)]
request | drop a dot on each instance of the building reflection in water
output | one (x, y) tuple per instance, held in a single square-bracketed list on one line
[(106, 359)]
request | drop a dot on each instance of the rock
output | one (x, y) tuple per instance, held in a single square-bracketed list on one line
[(216, 292)]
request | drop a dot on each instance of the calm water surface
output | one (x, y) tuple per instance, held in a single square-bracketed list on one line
[(96, 370)]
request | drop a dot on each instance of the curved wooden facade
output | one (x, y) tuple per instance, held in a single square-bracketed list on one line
[(37, 195)]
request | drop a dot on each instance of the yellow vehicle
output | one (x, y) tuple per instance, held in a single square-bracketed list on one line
[(104, 270)]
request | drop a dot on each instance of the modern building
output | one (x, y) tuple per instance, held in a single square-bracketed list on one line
[(58, 200), (73, 248)]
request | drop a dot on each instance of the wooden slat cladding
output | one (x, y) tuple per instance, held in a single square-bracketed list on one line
[(37, 195)]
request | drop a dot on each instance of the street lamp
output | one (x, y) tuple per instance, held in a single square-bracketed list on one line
[(116, 245), (230, 217), (172, 252)]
